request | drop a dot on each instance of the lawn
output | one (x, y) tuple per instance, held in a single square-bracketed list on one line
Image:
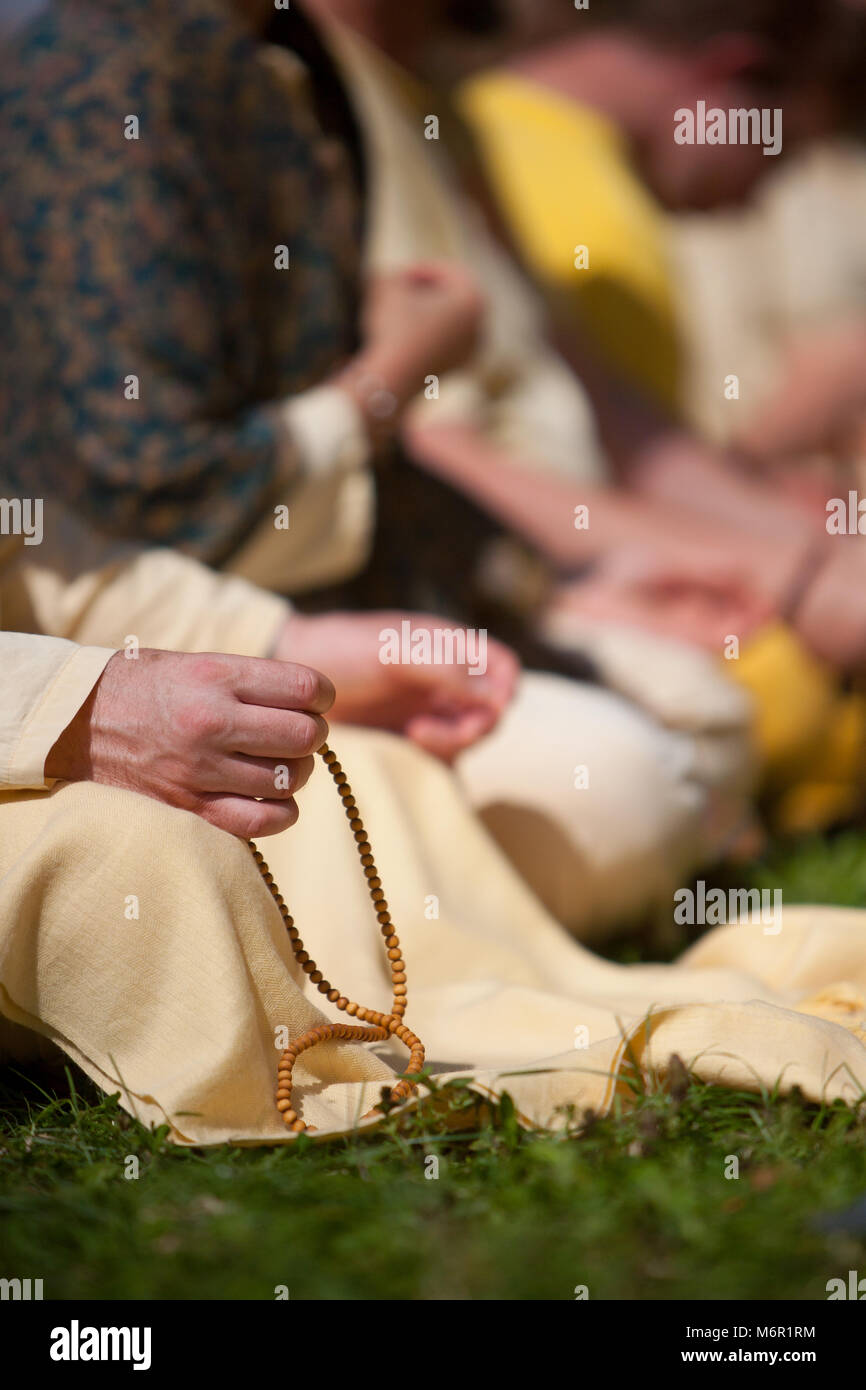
[(634, 1206)]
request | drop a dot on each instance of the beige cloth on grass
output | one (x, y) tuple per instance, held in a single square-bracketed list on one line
[(178, 1008)]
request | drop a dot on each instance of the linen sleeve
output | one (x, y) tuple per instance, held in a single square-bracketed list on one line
[(44, 681)]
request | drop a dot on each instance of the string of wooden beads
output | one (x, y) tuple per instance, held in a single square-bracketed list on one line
[(378, 1026)]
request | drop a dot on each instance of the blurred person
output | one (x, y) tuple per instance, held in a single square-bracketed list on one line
[(506, 432), (134, 354), (577, 137), (782, 283), (183, 317), (599, 96), (584, 138), (139, 939)]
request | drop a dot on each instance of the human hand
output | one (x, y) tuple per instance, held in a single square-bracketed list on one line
[(441, 707), (206, 733), (419, 321), (674, 597), (831, 616)]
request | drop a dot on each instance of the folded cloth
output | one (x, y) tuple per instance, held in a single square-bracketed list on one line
[(146, 945)]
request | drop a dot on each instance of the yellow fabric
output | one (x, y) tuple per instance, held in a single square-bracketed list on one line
[(177, 1008), (516, 389), (655, 811), (562, 176), (143, 942), (811, 736)]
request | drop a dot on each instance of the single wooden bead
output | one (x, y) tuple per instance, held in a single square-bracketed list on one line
[(342, 1002), (393, 941), (283, 1104), (298, 1126), (351, 1009), (316, 976), (367, 861), (400, 991)]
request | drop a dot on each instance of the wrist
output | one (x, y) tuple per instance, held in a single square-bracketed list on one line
[(381, 383), (70, 757), (812, 565)]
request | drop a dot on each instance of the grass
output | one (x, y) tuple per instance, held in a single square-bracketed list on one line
[(633, 1206)]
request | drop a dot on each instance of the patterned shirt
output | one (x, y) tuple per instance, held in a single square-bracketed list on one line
[(154, 158)]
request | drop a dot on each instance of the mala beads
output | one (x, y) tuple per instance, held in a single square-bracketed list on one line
[(379, 1026)]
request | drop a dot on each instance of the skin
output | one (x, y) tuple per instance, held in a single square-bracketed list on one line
[(444, 709), (207, 733), (200, 732)]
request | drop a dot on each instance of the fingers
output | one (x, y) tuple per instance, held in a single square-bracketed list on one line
[(487, 676), (261, 777), (275, 733), (503, 673), (445, 736), (251, 820), (281, 685)]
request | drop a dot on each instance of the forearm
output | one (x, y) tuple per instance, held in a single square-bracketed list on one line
[(678, 470), (572, 524), (658, 457)]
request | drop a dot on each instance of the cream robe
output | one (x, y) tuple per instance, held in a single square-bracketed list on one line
[(144, 943), (663, 793)]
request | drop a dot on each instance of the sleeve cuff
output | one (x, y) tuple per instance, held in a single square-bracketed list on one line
[(327, 430), (61, 701)]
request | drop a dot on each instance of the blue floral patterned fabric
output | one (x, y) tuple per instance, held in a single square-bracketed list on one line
[(154, 258)]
